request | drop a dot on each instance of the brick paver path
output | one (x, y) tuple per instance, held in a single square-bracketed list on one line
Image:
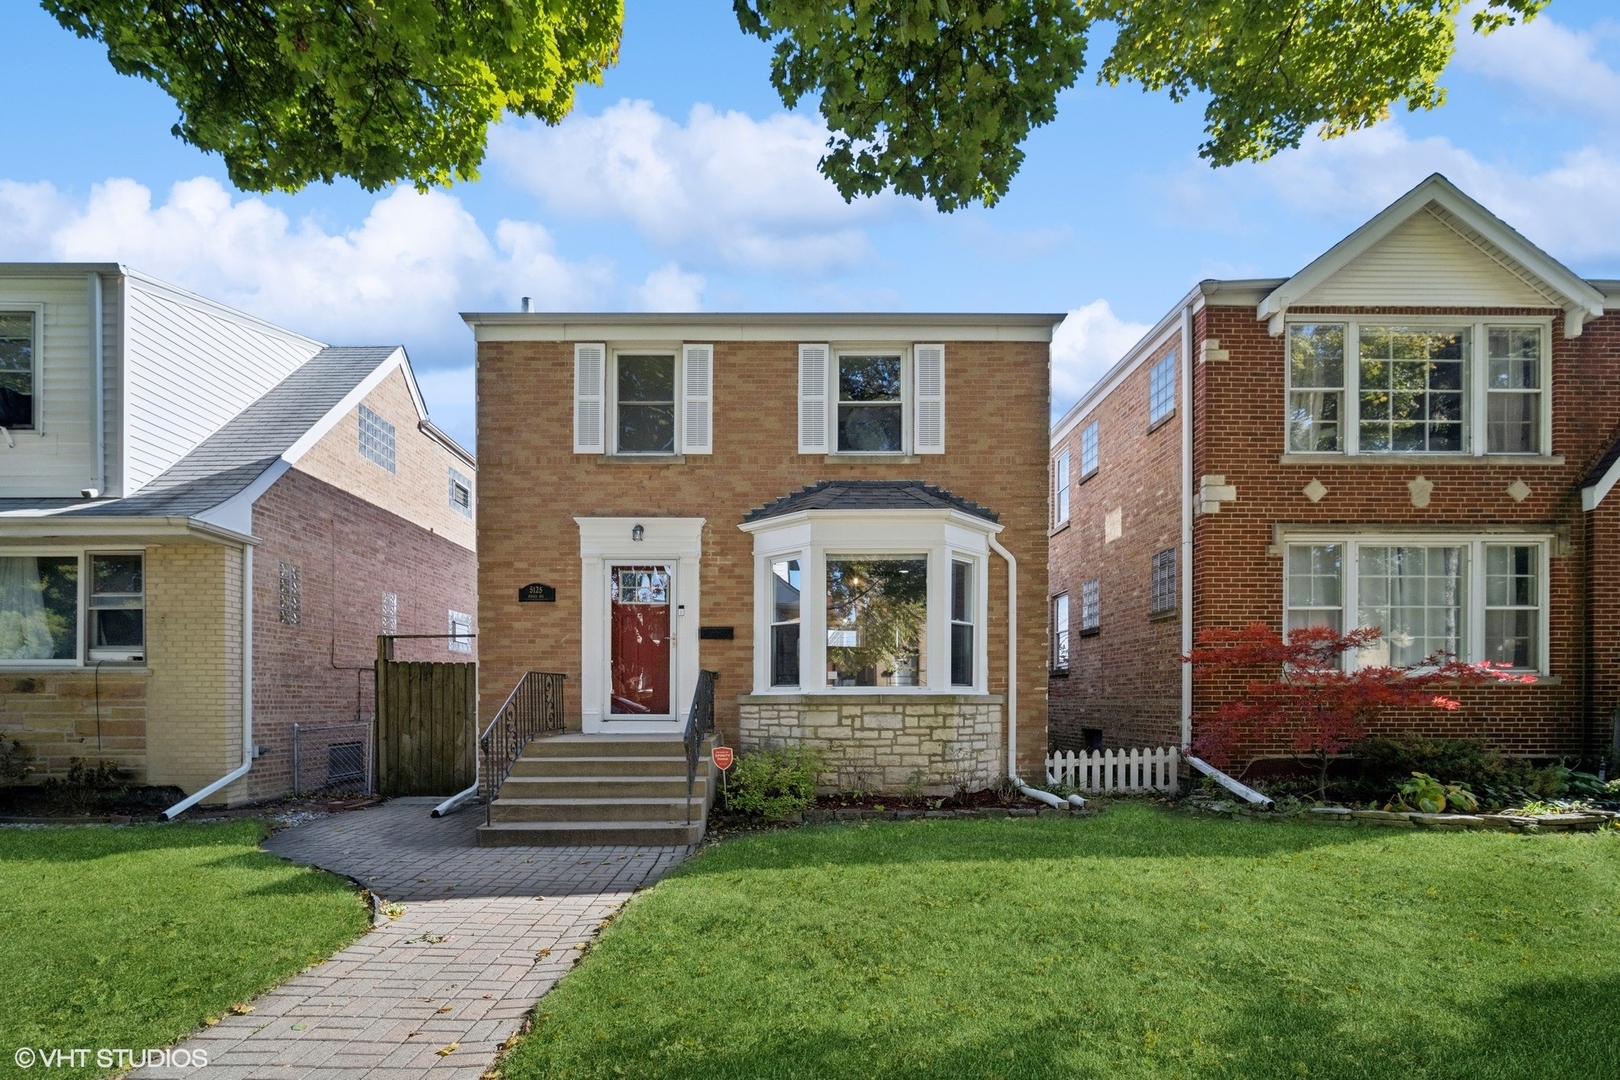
[(485, 932)]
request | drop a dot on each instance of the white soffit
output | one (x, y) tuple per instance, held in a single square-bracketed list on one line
[(1435, 246)]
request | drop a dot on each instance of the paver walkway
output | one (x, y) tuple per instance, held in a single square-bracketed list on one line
[(485, 932)]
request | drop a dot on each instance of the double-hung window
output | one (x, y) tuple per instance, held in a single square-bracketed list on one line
[(964, 599), (1060, 499), (17, 372), (644, 413), (1162, 389), (65, 608), (1088, 450), (1436, 599), (1417, 386), (1060, 632), (787, 588), (871, 409), (117, 607), (871, 399), (643, 401)]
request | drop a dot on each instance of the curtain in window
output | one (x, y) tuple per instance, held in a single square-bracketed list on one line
[(38, 607), (1416, 595)]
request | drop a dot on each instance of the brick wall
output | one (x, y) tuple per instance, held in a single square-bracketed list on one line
[(1239, 432), (348, 552), (533, 485), (1125, 680), (419, 488)]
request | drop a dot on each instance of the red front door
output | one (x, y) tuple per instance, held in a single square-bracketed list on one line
[(640, 641)]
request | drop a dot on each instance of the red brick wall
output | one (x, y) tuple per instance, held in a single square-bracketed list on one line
[(1125, 680), (532, 486), (1240, 432), (349, 552)]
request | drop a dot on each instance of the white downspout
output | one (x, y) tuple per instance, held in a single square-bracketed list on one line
[(1186, 523), (98, 443), (247, 698), (1012, 690)]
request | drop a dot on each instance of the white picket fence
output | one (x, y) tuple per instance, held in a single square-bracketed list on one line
[(1115, 770)]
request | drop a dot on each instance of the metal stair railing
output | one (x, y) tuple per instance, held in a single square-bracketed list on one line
[(534, 709), (698, 724)]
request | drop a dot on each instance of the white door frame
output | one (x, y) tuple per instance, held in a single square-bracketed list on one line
[(677, 542)]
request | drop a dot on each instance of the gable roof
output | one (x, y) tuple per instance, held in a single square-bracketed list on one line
[(1467, 219), (869, 495), (1602, 476)]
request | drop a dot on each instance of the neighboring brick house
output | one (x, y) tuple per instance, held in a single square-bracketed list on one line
[(158, 448), (698, 489), (1401, 434)]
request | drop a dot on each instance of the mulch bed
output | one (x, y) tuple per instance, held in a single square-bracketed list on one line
[(983, 799)]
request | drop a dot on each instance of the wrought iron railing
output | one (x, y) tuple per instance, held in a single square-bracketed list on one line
[(698, 724), (534, 709)]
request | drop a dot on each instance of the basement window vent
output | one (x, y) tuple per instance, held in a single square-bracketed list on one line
[(460, 493)]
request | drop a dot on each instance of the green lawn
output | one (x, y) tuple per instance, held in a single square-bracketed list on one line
[(129, 937), (1139, 943)]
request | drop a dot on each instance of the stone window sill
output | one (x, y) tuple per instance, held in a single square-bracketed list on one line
[(876, 695), (1416, 460), (40, 670), (1058, 673), (1060, 528), (873, 459), (641, 459), (1160, 422), (1160, 616)]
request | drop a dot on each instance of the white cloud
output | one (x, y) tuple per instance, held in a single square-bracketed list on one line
[(452, 397), (669, 288), (723, 189), (401, 275), (1084, 346), (1553, 68)]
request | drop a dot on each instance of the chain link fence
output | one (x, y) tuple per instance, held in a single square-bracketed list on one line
[(332, 759)]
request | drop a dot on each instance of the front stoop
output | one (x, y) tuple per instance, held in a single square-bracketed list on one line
[(600, 789)]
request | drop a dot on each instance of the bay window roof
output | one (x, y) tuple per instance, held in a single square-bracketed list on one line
[(869, 495)]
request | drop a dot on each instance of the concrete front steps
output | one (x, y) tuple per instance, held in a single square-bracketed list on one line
[(600, 789)]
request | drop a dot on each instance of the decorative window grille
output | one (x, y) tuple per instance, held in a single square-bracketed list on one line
[(460, 493), (1162, 389), (460, 632), (376, 439), (1163, 596), (289, 608)]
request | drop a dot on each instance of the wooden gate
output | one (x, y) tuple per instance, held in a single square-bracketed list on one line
[(425, 716)]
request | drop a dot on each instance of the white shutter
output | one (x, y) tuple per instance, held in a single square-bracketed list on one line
[(590, 372), (813, 398), (928, 410), (697, 387)]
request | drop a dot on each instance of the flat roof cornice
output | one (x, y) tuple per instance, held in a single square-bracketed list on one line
[(759, 326)]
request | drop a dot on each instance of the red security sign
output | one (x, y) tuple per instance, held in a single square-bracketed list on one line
[(723, 757)]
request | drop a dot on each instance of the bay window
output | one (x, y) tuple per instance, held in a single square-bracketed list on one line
[(1416, 386), (962, 622), (877, 621), (786, 593), (65, 608), (1437, 599)]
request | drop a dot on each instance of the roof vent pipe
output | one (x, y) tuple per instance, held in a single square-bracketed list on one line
[(526, 306)]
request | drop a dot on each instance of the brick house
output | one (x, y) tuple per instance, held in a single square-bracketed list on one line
[(823, 509), (193, 501), (1415, 431)]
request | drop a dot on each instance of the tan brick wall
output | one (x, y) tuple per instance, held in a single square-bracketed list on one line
[(61, 715), (194, 650), (533, 485), (1125, 680), (418, 490)]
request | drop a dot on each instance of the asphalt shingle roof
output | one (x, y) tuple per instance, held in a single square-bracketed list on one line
[(869, 495)]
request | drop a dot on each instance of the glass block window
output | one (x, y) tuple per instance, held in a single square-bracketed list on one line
[(376, 439), (16, 369), (460, 493), (461, 632), (1315, 387), (1090, 607), (390, 613), (1060, 632), (1162, 596), (1513, 390), (289, 595), (1162, 389), (1412, 389), (1088, 450)]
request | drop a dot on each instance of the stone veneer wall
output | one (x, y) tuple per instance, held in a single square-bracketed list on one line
[(877, 742), (54, 714)]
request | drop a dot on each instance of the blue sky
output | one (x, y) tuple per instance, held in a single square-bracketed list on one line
[(682, 184)]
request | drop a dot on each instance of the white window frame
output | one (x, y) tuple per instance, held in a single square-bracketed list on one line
[(460, 630), (610, 395), (1089, 449), (1475, 390), (38, 358), (1474, 633), (908, 394), (1060, 498), (813, 537), (81, 656), (1062, 643), (110, 654), (457, 479)]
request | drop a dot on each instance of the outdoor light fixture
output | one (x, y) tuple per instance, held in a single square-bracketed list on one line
[(636, 533)]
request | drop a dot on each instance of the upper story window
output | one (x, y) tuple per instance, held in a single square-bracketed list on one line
[(1088, 450), (376, 439), (1060, 500), (871, 413), (644, 403), (1417, 387), (872, 400), (17, 369), (1162, 389), (1162, 591), (460, 493)]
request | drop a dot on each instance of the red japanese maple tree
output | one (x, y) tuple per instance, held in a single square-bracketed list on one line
[(1307, 698)]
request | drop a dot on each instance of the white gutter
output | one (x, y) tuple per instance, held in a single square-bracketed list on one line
[(247, 699), (98, 443), (1186, 522), (1241, 790), (456, 801)]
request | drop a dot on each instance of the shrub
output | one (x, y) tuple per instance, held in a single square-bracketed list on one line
[(14, 767), (87, 788), (1432, 797), (774, 783)]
